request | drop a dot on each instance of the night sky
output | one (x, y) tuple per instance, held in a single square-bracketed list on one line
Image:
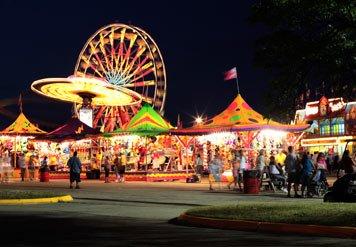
[(198, 42)]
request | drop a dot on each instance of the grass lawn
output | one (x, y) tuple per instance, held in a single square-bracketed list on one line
[(299, 212), (20, 194)]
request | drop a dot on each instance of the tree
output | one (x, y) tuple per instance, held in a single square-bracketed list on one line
[(310, 47)]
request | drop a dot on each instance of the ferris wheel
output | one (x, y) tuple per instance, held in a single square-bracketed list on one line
[(124, 56)]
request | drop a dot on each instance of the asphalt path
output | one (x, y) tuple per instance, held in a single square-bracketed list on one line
[(134, 214)]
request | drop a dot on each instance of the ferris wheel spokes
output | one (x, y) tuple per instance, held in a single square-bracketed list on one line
[(124, 56)]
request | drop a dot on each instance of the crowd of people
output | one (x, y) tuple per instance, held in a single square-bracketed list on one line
[(27, 163), (301, 170)]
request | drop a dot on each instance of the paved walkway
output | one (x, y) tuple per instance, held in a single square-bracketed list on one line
[(134, 214)]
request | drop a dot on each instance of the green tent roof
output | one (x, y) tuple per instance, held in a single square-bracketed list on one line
[(146, 122)]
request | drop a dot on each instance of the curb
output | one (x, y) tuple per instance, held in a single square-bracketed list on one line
[(66, 198), (245, 225)]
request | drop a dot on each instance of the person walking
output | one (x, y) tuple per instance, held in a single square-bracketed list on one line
[(23, 167), (292, 171), (75, 167)]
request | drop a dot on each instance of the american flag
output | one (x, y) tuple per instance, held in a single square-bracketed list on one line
[(231, 74)]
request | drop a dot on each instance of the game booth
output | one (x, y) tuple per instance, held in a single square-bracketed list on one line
[(239, 127), (59, 144), (16, 139), (147, 150)]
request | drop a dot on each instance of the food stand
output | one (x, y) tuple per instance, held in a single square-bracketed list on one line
[(333, 122)]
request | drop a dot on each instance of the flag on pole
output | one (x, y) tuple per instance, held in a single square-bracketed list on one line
[(20, 103), (179, 122), (231, 74)]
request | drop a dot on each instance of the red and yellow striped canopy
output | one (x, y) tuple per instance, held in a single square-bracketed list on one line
[(239, 116), (22, 126)]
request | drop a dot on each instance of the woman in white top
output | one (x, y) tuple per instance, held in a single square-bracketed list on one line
[(260, 162)]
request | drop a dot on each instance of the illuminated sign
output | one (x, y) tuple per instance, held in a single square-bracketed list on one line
[(311, 110), (86, 116), (336, 107), (324, 107), (324, 141)]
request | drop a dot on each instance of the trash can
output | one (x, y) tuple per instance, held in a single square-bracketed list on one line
[(93, 174), (44, 176), (90, 175), (251, 182)]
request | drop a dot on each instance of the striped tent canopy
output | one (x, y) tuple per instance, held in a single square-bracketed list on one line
[(22, 126), (146, 122), (239, 116)]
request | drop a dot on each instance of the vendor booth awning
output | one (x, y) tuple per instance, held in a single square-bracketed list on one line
[(22, 126), (146, 122), (238, 116), (73, 129)]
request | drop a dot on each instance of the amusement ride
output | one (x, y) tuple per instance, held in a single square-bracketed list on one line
[(119, 67)]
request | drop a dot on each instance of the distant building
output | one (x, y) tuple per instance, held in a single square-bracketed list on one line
[(332, 122)]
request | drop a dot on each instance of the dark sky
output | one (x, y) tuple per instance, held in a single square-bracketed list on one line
[(198, 41)]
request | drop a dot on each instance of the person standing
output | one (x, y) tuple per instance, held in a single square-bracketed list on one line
[(117, 162), (260, 162), (122, 169), (198, 164), (307, 172), (107, 167), (235, 170), (215, 169), (23, 167), (75, 167), (291, 169), (321, 167), (347, 163), (242, 168), (31, 167), (44, 165)]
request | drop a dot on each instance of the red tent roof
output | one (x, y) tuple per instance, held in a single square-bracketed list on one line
[(73, 129)]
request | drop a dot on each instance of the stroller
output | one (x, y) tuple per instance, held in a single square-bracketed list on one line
[(318, 184), (343, 190)]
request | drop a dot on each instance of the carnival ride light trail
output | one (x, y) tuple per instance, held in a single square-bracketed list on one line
[(76, 89)]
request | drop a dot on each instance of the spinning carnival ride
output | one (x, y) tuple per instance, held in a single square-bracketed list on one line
[(119, 67), (124, 56)]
